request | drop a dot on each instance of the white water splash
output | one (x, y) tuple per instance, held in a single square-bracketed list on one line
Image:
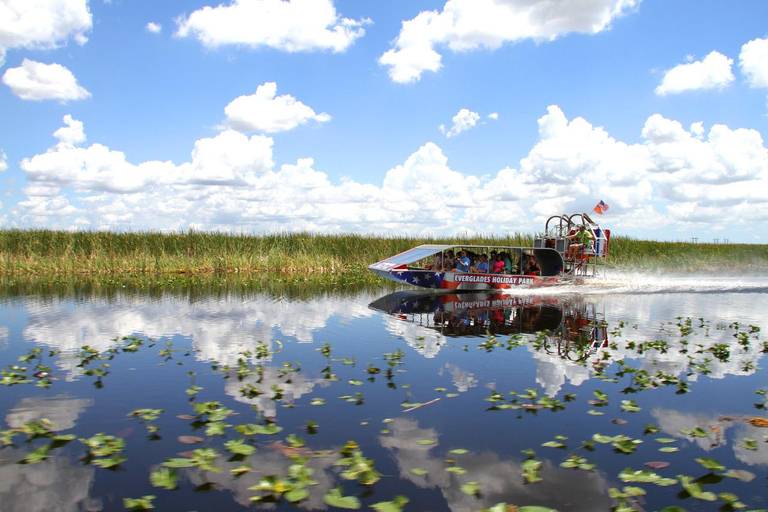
[(637, 283)]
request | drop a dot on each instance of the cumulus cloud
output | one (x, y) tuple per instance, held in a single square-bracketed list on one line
[(42, 24), (265, 112), (675, 176), (153, 27), (37, 81), (714, 72), (288, 25), (471, 24), (462, 122), (3, 162), (753, 61), (494, 116)]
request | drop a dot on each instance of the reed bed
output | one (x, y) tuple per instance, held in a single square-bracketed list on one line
[(41, 251)]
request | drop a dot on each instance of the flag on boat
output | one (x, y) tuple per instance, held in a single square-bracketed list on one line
[(601, 208)]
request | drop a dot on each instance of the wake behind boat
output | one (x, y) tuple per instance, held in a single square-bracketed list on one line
[(571, 249)]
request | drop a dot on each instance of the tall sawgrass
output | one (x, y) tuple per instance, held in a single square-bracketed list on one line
[(46, 251), (40, 251)]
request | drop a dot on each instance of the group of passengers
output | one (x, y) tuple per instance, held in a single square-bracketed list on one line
[(500, 262)]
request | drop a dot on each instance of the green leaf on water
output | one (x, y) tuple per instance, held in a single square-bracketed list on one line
[(456, 469), (179, 463), (165, 478), (426, 442), (395, 505), (740, 474), (594, 412), (143, 503), (665, 440), (669, 449), (471, 488), (459, 451), (109, 462), (419, 471), (553, 444), (296, 495), (334, 498), (238, 447), (710, 464)]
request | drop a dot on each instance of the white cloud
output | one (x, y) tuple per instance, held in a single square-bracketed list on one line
[(42, 24), (753, 60), (711, 73), (685, 178), (73, 134), (292, 25), (153, 27), (472, 24), (462, 122), (3, 162), (37, 81), (494, 116), (264, 112)]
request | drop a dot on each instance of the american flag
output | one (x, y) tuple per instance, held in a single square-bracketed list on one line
[(601, 208)]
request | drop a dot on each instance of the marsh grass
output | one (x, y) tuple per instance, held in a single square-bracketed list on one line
[(60, 252)]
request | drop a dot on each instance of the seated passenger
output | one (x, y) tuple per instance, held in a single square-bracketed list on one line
[(582, 240), (507, 262), (449, 260), (462, 262), (533, 268), (498, 265), (482, 265)]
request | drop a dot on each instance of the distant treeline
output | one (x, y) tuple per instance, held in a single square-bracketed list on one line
[(41, 251)]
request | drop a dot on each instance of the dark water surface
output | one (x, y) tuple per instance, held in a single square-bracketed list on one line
[(299, 394)]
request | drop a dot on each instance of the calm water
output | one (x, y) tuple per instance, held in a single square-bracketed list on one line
[(449, 399)]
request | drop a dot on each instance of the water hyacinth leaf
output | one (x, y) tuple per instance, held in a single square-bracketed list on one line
[(165, 478), (334, 498), (37, 455), (629, 406), (749, 443), (710, 464), (553, 444), (317, 401), (179, 463), (456, 469), (238, 447), (143, 503), (426, 442), (419, 471), (669, 449), (695, 489), (109, 462), (395, 505), (459, 451), (471, 488), (595, 413), (296, 495), (665, 440)]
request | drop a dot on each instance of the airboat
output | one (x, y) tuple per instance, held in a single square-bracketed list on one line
[(433, 265)]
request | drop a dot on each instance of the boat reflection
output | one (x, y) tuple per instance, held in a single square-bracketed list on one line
[(570, 329)]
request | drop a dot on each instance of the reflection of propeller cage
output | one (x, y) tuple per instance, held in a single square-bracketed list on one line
[(577, 344)]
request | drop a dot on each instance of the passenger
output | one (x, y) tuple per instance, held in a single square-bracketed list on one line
[(462, 262), (498, 265), (482, 265), (449, 260), (437, 264), (533, 266), (582, 238), (507, 262)]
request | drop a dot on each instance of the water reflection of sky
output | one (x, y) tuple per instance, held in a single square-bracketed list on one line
[(438, 354)]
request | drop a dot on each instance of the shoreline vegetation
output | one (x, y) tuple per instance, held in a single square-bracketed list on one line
[(49, 252)]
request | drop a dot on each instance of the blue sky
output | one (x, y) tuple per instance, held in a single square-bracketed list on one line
[(405, 116)]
